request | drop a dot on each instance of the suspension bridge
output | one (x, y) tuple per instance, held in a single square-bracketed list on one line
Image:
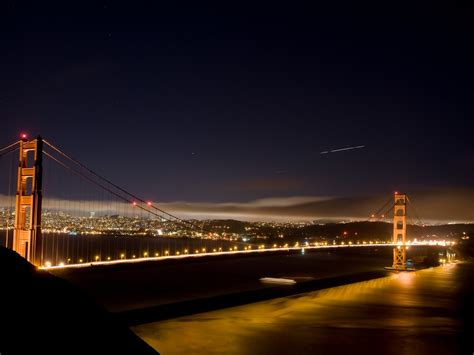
[(57, 213)]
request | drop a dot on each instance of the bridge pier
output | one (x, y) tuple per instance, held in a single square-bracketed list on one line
[(399, 233), (27, 228)]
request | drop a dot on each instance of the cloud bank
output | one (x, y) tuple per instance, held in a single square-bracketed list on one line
[(442, 206)]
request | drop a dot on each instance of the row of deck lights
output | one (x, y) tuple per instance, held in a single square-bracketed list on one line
[(248, 248)]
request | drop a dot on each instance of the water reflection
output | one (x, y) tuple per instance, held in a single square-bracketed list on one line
[(406, 313)]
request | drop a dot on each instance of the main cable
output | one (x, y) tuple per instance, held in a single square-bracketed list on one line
[(9, 146), (123, 190), (414, 211), (9, 149), (80, 174)]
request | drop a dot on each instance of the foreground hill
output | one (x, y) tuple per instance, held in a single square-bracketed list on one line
[(43, 314)]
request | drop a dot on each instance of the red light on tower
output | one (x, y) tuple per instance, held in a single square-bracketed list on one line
[(148, 203), (23, 136), (134, 203)]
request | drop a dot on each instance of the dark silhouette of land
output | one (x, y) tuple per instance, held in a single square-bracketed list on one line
[(43, 314), (327, 231)]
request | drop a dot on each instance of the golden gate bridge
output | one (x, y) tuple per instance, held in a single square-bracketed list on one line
[(94, 221)]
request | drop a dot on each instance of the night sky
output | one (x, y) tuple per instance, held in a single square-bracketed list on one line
[(235, 103)]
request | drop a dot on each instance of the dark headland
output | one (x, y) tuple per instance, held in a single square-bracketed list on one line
[(43, 314)]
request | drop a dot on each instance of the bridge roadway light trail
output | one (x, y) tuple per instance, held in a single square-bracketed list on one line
[(232, 251)]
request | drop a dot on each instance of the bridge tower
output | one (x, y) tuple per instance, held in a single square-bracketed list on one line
[(27, 228), (399, 231)]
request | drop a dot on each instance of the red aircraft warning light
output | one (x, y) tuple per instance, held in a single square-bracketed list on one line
[(148, 203), (23, 136)]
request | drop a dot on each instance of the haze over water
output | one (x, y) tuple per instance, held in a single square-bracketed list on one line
[(424, 312)]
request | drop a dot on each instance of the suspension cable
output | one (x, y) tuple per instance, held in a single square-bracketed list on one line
[(80, 174), (123, 190), (9, 149), (376, 215), (9, 146), (97, 183), (415, 212), (10, 205)]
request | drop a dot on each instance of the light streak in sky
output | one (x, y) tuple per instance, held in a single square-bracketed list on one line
[(342, 149)]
